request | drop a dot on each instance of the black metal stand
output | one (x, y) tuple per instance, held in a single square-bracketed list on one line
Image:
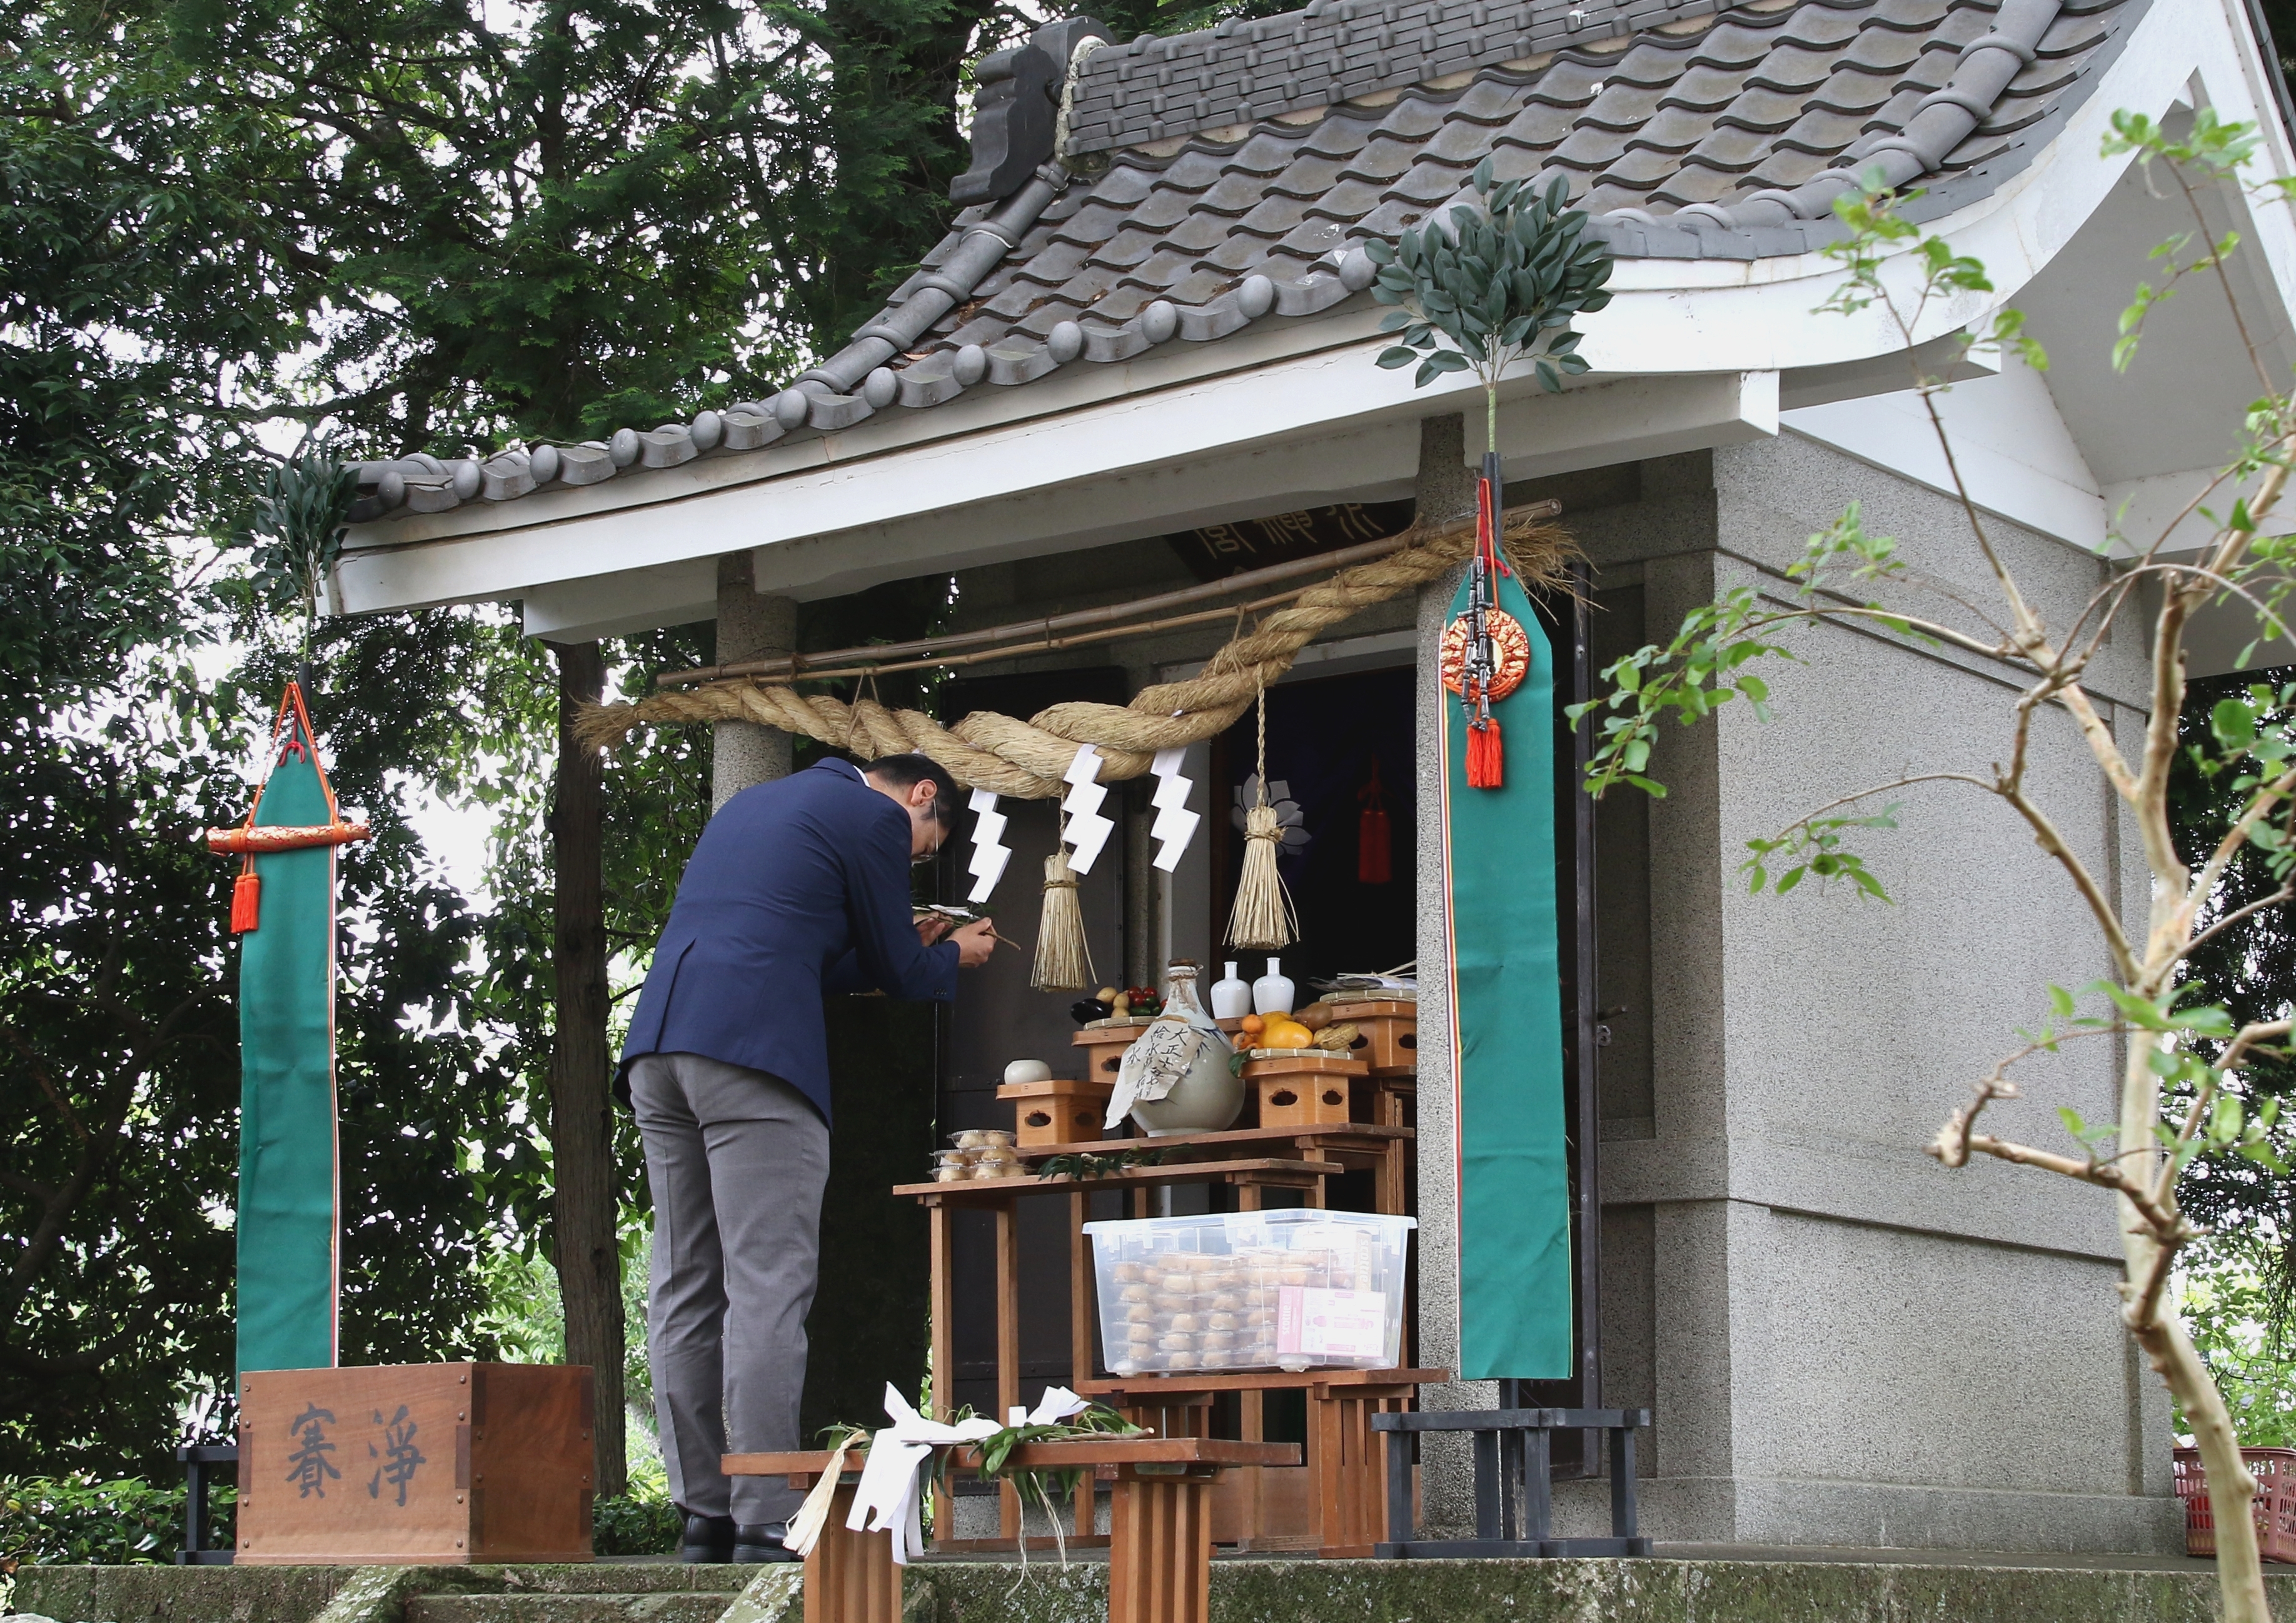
[(1514, 1509), (197, 1458)]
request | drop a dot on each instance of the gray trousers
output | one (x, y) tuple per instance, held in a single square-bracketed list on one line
[(736, 1160)]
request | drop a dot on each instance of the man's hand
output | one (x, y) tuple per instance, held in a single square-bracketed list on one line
[(933, 926), (974, 943)]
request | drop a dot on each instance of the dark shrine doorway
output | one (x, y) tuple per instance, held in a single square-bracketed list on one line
[(1341, 774)]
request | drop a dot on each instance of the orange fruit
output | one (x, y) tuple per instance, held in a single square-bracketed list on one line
[(1254, 1024)]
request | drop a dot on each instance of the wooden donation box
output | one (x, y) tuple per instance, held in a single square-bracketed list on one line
[(428, 1464)]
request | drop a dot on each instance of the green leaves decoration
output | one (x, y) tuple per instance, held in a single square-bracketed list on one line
[(298, 526), (1492, 286)]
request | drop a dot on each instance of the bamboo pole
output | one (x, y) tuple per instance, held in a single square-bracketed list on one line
[(1059, 624)]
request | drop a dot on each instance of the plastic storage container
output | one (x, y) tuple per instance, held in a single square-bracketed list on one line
[(2274, 1506), (1258, 1289)]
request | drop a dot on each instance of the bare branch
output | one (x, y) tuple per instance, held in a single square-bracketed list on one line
[(2100, 905), (2286, 892), (2266, 796), (2163, 1222), (1882, 789)]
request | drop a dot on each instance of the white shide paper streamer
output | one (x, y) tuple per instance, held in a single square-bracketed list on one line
[(1175, 824), (989, 852), (1088, 830)]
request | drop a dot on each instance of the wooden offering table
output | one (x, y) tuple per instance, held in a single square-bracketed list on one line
[(1327, 1507), (1161, 1548), (1337, 1506)]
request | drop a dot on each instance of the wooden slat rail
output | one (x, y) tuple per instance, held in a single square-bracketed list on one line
[(1161, 1548), (1347, 1465), (989, 1192)]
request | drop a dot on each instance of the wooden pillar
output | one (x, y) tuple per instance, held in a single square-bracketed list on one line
[(850, 1577), (1160, 1558), (750, 626), (1008, 1347), (584, 1197), (943, 1346)]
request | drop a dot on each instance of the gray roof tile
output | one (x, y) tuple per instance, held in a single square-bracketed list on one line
[(1647, 107)]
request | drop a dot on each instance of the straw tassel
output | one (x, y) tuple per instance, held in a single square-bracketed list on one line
[(1063, 959), (1262, 920), (246, 900)]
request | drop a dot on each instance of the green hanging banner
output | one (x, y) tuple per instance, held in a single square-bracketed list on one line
[(1515, 1320), (284, 909)]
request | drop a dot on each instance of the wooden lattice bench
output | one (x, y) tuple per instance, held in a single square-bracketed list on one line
[(1160, 1545)]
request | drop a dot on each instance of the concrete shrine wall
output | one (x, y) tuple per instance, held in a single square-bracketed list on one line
[(1844, 1343)]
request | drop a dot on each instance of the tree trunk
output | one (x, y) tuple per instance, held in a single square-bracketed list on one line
[(581, 1125), (2240, 1570)]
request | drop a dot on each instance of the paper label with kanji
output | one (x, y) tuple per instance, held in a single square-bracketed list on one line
[(1312, 1323)]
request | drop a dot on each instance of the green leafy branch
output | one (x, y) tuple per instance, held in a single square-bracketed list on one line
[(1880, 234), (1813, 847), (1084, 1165), (301, 515), (1705, 664), (1492, 286), (2217, 1120), (1040, 1486), (2214, 152)]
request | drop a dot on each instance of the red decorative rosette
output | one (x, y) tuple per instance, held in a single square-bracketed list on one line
[(1509, 642)]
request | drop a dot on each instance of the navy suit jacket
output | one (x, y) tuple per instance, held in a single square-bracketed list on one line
[(797, 888)]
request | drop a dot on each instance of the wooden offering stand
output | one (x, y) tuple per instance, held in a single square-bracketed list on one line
[(1303, 1086), (1334, 1505), (1345, 1112), (1056, 1110), (1160, 1562)]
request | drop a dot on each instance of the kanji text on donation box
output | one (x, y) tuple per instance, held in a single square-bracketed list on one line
[(438, 1463)]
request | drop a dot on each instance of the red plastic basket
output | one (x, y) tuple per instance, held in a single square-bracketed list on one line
[(2275, 1470)]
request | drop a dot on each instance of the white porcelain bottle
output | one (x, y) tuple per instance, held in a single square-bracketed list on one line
[(1272, 993), (1231, 996)]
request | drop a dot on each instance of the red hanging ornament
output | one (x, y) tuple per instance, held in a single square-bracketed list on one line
[(1479, 664), (1486, 756), (246, 900), (1374, 836), (290, 735)]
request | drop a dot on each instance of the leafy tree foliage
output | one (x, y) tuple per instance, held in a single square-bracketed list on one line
[(2250, 969), (421, 226)]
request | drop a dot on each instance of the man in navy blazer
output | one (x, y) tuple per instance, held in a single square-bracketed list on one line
[(797, 888)]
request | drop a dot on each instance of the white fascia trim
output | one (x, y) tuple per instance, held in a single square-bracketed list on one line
[(1600, 421), (2016, 457), (615, 605)]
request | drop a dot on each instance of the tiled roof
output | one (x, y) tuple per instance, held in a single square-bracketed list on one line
[(1690, 130)]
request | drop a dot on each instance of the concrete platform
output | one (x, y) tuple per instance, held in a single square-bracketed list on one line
[(1704, 1584)]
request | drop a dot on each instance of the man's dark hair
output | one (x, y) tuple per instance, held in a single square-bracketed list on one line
[(907, 771)]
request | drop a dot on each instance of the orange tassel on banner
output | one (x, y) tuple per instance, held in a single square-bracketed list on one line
[(246, 901), (1486, 756)]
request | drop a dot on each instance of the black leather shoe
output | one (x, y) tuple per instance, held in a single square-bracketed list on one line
[(762, 1542), (708, 1538)]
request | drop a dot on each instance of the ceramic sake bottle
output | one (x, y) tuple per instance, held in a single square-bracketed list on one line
[(1272, 993), (1211, 1096), (1231, 996)]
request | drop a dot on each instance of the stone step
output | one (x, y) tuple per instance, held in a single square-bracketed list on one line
[(615, 1577), (662, 1607)]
